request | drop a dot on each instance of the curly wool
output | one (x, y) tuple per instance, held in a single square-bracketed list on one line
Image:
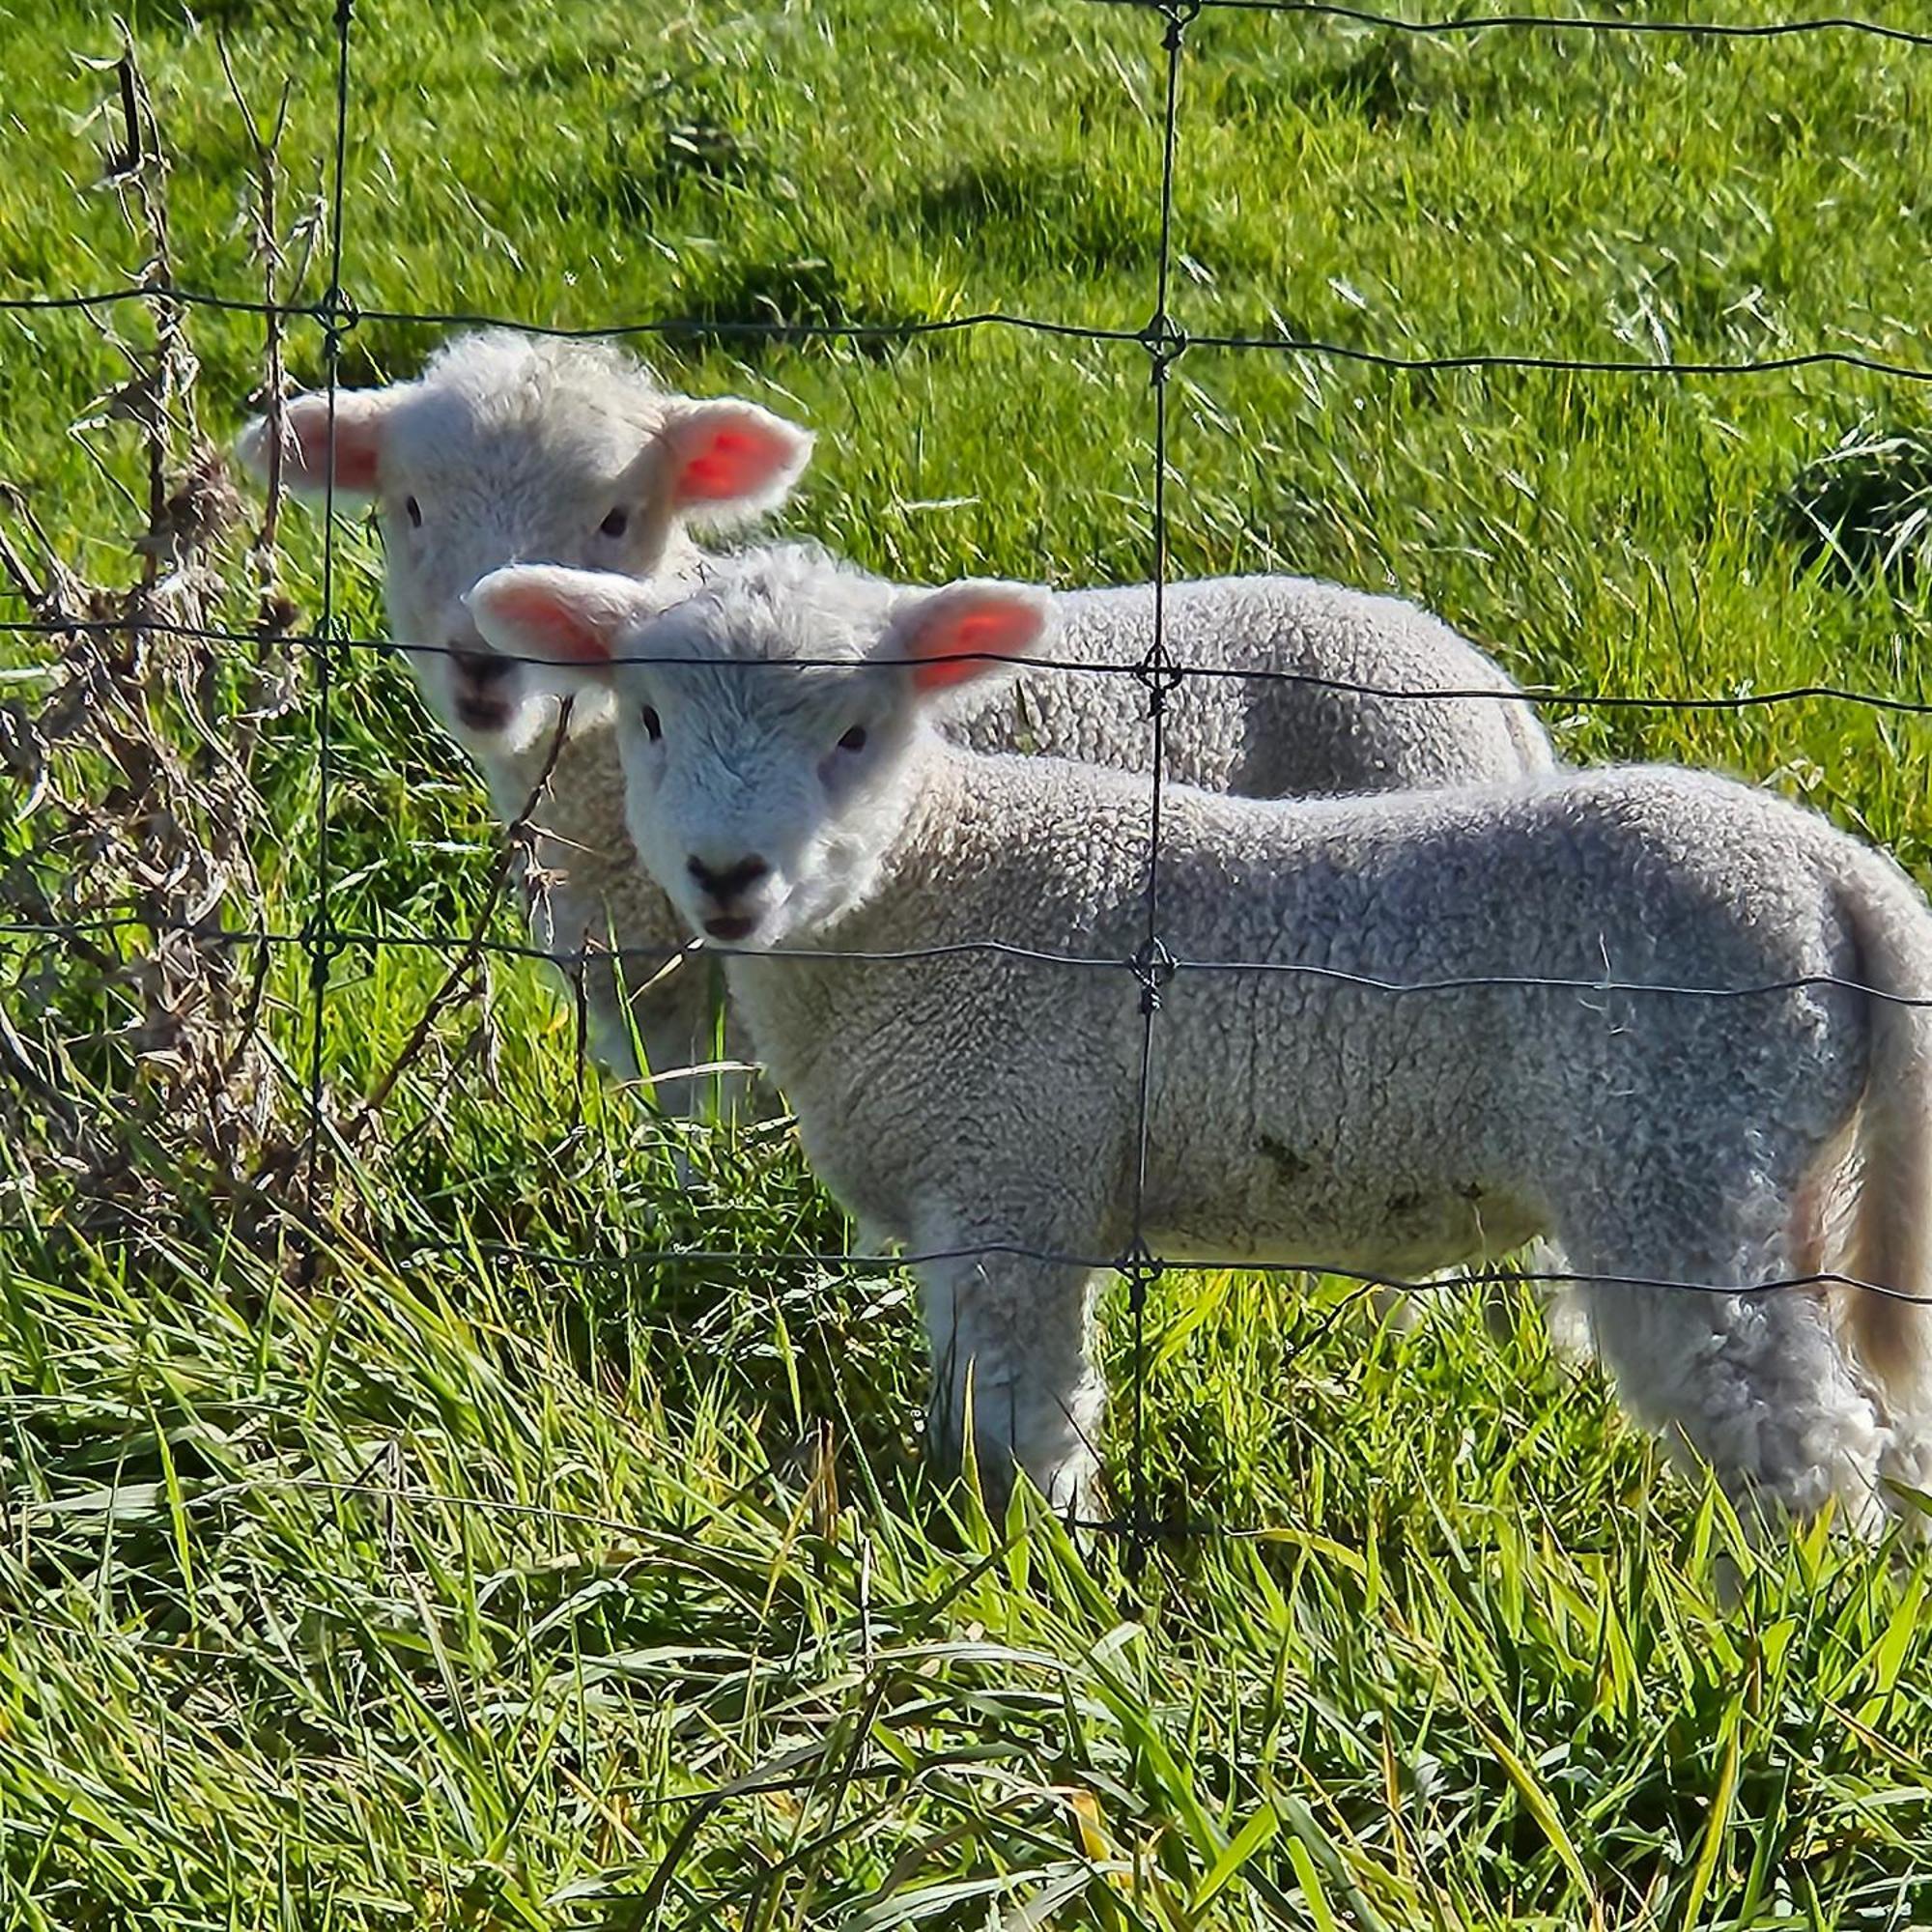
[(1299, 1110), (1297, 729)]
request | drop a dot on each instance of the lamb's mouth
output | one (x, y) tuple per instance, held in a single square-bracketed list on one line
[(480, 703), (729, 926), (482, 714)]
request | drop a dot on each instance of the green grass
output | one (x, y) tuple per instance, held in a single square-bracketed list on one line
[(441, 1582)]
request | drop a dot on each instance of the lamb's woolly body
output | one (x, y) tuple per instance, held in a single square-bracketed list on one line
[(986, 1101), (983, 1098), (1308, 723), (1260, 737)]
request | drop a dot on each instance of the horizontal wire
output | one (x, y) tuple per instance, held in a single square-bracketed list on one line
[(1471, 983), (1766, 365), (350, 314), (830, 1261), (1570, 23), (1134, 668), (1447, 1284), (133, 292), (678, 326), (804, 331)]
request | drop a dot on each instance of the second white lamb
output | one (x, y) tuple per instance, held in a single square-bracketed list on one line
[(511, 449)]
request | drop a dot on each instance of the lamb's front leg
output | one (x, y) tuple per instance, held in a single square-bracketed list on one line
[(677, 1015), (661, 1006), (1011, 1342)]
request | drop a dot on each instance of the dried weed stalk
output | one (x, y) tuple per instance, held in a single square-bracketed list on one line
[(136, 1079)]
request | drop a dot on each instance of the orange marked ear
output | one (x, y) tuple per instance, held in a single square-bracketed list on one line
[(967, 631), (563, 617)]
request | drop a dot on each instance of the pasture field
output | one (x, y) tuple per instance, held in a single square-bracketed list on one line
[(460, 1573)]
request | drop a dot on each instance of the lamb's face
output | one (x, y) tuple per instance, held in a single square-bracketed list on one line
[(510, 452), (462, 492), (760, 793), (773, 725)]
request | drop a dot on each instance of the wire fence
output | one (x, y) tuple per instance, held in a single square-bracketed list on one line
[(1148, 974)]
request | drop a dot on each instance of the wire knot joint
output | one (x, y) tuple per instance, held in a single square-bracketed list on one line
[(1141, 1269), (1155, 966), (322, 944), (1165, 340), (338, 315), (1180, 16), (1159, 676)]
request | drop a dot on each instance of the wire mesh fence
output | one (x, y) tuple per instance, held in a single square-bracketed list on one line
[(1144, 977)]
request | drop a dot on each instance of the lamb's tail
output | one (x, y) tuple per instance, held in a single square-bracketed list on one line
[(1890, 1231)]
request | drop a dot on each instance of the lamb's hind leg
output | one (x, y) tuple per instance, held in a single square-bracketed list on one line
[(1755, 1385)]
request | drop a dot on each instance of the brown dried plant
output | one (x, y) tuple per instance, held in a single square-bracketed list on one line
[(136, 1078)]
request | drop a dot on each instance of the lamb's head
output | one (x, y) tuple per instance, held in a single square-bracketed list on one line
[(511, 449), (774, 724)]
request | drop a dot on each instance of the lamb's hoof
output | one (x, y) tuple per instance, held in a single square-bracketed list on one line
[(1068, 1486)]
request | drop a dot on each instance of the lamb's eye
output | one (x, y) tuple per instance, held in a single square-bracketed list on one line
[(413, 511), (854, 740), (653, 725), (615, 524)]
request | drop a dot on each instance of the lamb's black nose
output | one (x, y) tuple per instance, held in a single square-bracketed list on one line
[(479, 670), (725, 882)]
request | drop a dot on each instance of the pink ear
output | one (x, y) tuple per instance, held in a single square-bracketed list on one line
[(543, 610), (965, 631), (730, 457), (358, 443)]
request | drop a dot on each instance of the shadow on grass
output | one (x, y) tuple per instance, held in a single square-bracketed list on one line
[(1864, 510)]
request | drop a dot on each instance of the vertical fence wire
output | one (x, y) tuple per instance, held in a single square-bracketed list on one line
[(1154, 964), (336, 317)]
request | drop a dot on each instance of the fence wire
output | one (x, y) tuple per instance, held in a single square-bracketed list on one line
[(1533, 696), (344, 314), (1148, 972)]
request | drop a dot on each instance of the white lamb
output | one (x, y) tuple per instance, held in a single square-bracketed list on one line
[(511, 449), (981, 1103)]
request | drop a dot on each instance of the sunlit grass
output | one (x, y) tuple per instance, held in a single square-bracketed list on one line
[(495, 1579)]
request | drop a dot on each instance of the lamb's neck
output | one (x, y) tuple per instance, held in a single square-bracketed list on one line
[(682, 566), (904, 890), (513, 778)]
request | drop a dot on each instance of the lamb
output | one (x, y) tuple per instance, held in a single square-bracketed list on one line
[(981, 1103), (508, 447), (508, 450)]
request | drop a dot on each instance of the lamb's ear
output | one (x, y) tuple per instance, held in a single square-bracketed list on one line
[(360, 416), (575, 617), (968, 630), (723, 460)]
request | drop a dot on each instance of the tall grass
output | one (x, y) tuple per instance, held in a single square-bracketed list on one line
[(477, 1574)]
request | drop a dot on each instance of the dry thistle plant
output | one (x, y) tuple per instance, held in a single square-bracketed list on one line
[(136, 1080), (140, 1087)]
